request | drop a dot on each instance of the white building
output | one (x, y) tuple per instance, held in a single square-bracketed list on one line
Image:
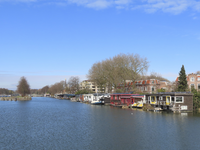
[(88, 84)]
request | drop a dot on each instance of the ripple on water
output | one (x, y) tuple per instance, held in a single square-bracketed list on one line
[(47, 123)]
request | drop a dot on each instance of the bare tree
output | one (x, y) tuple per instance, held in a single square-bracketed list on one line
[(6, 91), (155, 75), (23, 87), (122, 67), (57, 87), (198, 72), (73, 84), (44, 89)]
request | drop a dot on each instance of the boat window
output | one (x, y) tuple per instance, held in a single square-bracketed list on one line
[(172, 99), (153, 98), (179, 99)]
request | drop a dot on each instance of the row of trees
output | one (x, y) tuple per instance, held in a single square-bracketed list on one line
[(71, 87), (110, 72), (6, 91)]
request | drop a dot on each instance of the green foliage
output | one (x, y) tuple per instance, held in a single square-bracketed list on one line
[(160, 90), (142, 93), (119, 91), (84, 91), (196, 99), (182, 83)]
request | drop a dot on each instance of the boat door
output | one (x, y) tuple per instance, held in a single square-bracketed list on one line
[(168, 100), (153, 100)]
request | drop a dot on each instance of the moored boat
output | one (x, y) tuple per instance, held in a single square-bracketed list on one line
[(134, 104), (96, 103), (140, 105)]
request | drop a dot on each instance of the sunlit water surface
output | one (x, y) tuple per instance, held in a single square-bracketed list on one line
[(47, 123)]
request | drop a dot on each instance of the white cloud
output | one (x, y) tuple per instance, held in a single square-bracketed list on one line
[(122, 2), (150, 6), (99, 4), (197, 6), (25, 1), (169, 6)]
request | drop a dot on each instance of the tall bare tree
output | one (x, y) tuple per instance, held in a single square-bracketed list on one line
[(118, 69), (155, 75), (23, 87), (73, 84), (44, 89), (56, 88)]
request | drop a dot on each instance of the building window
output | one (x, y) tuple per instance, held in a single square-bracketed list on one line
[(192, 79), (152, 81), (198, 78), (198, 86), (179, 99), (152, 89), (192, 86)]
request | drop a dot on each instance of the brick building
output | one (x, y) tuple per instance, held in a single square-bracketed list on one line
[(146, 86), (193, 81)]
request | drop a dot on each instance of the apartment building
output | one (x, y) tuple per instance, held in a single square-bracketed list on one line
[(90, 85), (193, 81)]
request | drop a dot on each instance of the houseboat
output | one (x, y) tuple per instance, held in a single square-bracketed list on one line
[(173, 101), (88, 98), (97, 99), (139, 100), (122, 99), (105, 99)]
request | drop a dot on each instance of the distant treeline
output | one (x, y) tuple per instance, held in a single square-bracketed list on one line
[(71, 87), (6, 91)]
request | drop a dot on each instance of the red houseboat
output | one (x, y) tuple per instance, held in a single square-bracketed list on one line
[(121, 99)]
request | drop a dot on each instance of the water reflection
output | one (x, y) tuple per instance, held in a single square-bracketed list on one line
[(46, 123)]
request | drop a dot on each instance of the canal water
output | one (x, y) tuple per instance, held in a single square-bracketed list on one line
[(48, 124)]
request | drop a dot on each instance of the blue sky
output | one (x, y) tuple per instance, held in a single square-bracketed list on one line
[(49, 41)]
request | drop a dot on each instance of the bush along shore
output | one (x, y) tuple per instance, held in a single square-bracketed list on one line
[(16, 98)]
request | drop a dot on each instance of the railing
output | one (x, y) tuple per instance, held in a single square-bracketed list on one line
[(164, 103)]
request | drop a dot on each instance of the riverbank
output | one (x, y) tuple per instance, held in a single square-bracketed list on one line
[(16, 98)]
